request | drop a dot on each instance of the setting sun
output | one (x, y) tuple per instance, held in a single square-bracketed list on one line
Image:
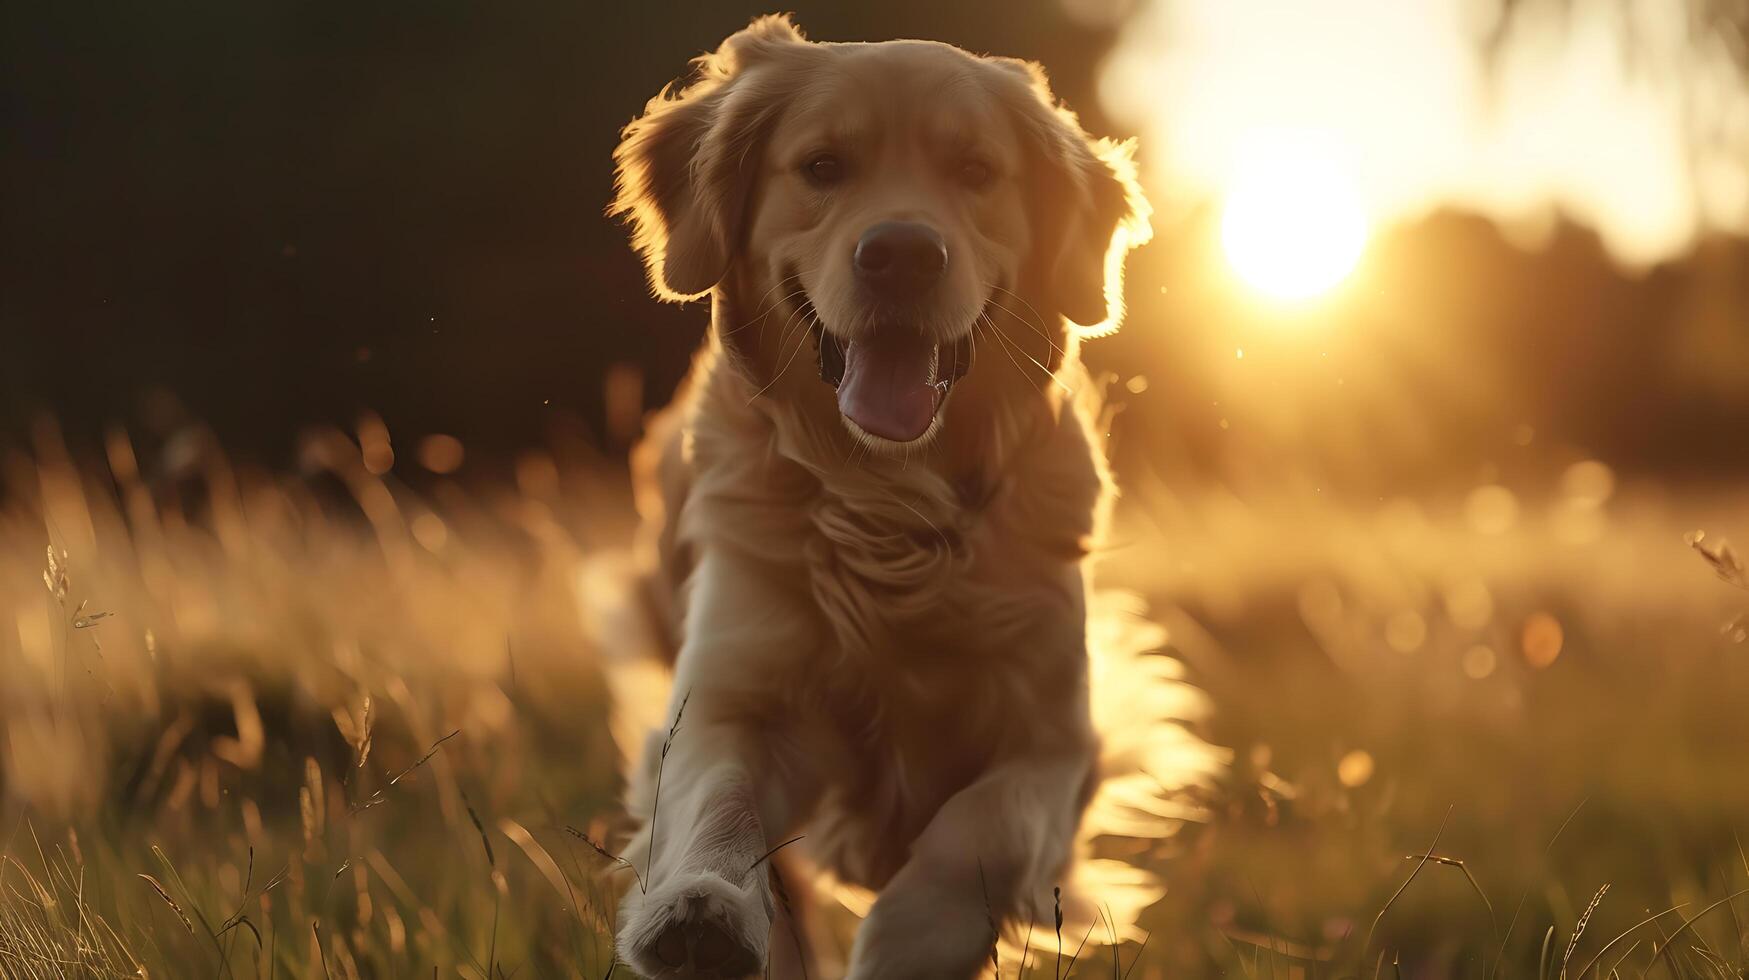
[(1293, 226)]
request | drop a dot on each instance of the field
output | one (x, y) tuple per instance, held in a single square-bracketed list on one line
[(332, 725)]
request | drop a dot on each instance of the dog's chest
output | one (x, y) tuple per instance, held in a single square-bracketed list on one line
[(940, 612), (904, 725), (949, 676)]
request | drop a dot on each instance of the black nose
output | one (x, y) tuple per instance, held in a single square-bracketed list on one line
[(900, 259)]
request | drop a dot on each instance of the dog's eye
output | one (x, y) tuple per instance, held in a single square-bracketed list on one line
[(824, 168), (975, 173)]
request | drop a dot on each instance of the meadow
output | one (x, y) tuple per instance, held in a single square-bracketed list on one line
[(332, 724)]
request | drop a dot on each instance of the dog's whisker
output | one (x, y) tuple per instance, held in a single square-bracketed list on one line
[(1038, 321), (1034, 327), (784, 364), (801, 342), (755, 318), (801, 293), (984, 321), (797, 319), (1006, 346), (765, 316), (1010, 346)]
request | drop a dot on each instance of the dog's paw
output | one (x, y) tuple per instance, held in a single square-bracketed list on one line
[(696, 926)]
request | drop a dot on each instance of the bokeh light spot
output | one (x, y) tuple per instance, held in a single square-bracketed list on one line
[(441, 453), (1491, 509), (430, 531), (1542, 639), (1588, 483), (1405, 631), (373, 440), (1355, 769), (1469, 604), (1479, 662)]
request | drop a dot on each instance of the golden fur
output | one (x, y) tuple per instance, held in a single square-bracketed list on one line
[(881, 645)]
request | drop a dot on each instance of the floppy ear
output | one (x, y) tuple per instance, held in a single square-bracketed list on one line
[(1109, 217), (1088, 209), (683, 170)]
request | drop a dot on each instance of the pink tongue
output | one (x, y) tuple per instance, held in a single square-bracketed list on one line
[(887, 387)]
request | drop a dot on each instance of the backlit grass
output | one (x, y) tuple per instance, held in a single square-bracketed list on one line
[(326, 725)]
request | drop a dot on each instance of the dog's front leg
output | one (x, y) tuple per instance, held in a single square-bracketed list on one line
[(710, 794), (992, 852)]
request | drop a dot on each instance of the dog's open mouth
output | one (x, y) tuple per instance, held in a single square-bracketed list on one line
[(892, 384)]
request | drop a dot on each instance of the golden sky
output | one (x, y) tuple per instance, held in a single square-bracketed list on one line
[(1388, 104)]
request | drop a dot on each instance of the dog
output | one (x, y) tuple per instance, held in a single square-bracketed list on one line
[(869, 510)]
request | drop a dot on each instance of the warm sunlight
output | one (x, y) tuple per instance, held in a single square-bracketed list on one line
[(1562, 123), (1293, 226), (613, 490)]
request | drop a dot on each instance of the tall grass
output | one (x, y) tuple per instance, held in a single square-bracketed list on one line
[(268, 722), (328, 725)]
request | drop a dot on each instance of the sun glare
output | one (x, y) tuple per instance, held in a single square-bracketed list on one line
[(1558, 118), (1293, 226)]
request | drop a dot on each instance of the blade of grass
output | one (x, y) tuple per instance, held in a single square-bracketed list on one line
[(1658, 953), (1405, 885), (1625, 933), (1579, 928)]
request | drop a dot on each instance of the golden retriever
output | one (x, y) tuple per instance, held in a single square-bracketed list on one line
[(872, 504)]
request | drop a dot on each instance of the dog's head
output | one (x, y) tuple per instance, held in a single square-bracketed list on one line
[(880, 212)]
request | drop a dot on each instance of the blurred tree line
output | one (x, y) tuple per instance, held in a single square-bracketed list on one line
[(284, 214), (288, 214)]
